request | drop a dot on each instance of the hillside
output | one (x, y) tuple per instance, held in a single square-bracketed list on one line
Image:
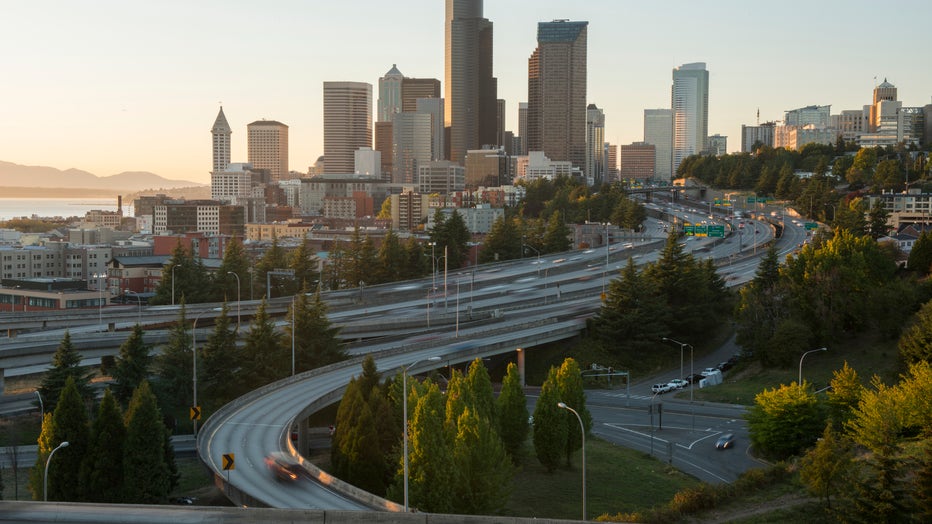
[(42, 181)]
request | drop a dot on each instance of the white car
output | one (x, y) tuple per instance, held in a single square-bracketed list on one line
[(677, 383), (661, 388)]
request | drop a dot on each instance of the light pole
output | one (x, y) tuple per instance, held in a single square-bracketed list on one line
[(800, 381), (100, 299), (41, 405), (238, 325), (404, 408), (294, 313), (433, 266), (45, 477), (138, 304), (582, 431), (691, 373), (174, 267), (194, 363), (538, 257)]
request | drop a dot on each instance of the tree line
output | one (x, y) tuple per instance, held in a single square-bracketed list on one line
[(464, 443)]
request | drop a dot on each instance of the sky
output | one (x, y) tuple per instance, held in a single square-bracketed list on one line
[(108, 86)]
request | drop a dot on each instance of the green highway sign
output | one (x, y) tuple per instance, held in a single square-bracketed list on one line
[(700, 231), (811, 225), (717, 231), (689, 230)]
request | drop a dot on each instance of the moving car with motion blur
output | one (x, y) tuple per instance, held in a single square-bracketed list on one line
[(283, 466), (725, 441)]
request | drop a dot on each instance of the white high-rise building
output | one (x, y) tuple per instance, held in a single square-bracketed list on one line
[(658, 131), (595, 146), (390, 94), (411, 145), (347, 124), (434, 108), (368, 162), (690, 104), (221, 142)]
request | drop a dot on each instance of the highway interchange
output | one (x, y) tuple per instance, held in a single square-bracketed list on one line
[(485, 312)]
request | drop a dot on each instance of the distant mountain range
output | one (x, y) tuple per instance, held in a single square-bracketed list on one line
[(15, 175)]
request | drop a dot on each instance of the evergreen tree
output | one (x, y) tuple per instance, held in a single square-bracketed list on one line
[(920, 257), (512, 413), (416, 263), (483, 472), (368, 259), (70, 425), (65, 363), (263, 352), (825, 468), (879, 493), (922, 482), (503, 241), (186, 274), (479, 395), (569, 382), (877, 221), (355, 451), (273, 259), (174, 367), (132, 365), (235, 262), (102, 468), (46, 443), (304, 264), (844, 394), (550, 424), (676, 279), (916, 342), (217, 361), (633, 317), (391, 260), (557, 236), (315, 338), (146, 475), (431, 470)]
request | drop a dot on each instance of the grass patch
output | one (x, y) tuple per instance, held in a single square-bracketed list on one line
[(618, 479)]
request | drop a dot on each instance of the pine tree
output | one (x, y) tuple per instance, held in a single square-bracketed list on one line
[(235, 262), (512, 413), (503, 241), (264, 358), (217, 360), (273, 259), (920, 257), (633, 317), (479, 392), (355, 451), (132, 365), (483, 472), (391, 259), (569, 380), (557, 235), (102, 468), (147, 476), (430, 466), (922, 482), (174, 367), (304, 264), (315, 338), (550, 424), (70, 425), (65, 363)]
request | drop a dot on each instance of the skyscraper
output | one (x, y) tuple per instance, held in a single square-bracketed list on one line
[(414, 88), (557, 92), (690, 103), (390, 94), (268, 148), (595, 145), (221, 142), (434, 108), (470, 89), (411, 145), (658, 131), (347, 124), (522, 127)]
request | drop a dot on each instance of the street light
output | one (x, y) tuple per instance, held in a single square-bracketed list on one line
[(691, 373), (582, 431), (41, 405), (538, 256), (800, 381), (174, 267), (45, 477), (238, 325), (100, 298), (294, 313), (194, 362), (433, 266), (138, 304), (404, 408)]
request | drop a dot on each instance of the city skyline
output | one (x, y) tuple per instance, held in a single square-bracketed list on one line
[(113, 87)]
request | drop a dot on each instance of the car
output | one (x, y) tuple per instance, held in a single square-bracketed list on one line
[(725, 441), (708, 371), (660, 389), (677, 383), (283, 466), (694, 378), (724, 366)]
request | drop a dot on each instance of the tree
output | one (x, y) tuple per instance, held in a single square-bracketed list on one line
[(550, 424), (483, 472), (451, 233), (70, 425), (174, 367), (844, 394), (65, 363), (569, 380), (147, 477), (235, 262), (315, 338), (503, 241), (355, 452), (511, 405), (784, 421), (102, 468), (430, 465), (132, 365), (273, 259), (916, 342), (218, 358), (922, 484), (920, 257), (633, 316), (304, 264), (557, 236), (263, 351), (46, 443), (825, 468), (479, 397), (186, 275), (877, 221), (391, 259)]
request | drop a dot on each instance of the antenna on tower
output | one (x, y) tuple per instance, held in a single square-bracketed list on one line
[(758, 116)]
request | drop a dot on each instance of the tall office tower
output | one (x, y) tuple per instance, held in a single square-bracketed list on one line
[(751, 135), (690, 102), (611, 154), (347, 124), (522, 127), (499, 123), (221, 142), (470, 89), (411, 146), (434, 108), (390, 94), (268, 148), (658, 130), (885, 92), (595, 146), (383, 144), (414, 88), (556, 117)]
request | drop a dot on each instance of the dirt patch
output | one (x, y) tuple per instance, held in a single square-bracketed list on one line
[(751, 509)]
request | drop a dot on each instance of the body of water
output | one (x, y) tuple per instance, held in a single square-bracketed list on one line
[(56, 207)]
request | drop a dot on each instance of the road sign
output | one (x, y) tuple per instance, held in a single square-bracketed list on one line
[(811, 225), (228, 462), (717, 231), (689, 230), (701, 231), (195, 413)]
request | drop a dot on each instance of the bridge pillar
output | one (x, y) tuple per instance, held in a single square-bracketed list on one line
[(2, 385)]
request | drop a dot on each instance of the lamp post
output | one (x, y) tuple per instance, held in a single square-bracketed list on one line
[(691, 373), (41, 406), (538, 256), (404, 408), (433, 266), (800, 381), (582, 431), (138, 304), (194, 362), (174, 267), (45, 477), (238, 325), (294, 313), (100, 299)]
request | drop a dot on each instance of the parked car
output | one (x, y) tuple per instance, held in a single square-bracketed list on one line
[(692, 379), (709, 371), (724, 366), (677, 383), (725, 441), (661, 388)]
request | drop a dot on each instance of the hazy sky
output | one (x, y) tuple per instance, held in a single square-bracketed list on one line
[(123, 85)]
